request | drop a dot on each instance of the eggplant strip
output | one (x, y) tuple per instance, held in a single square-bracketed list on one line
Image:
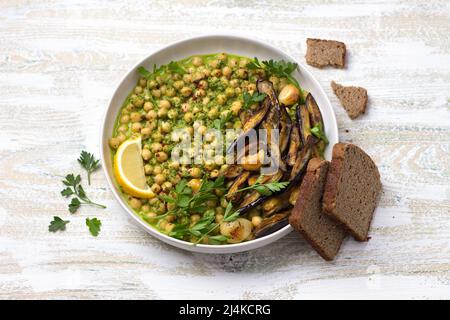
[(294, 146), (314, 111), (272, 224), (232, 171), (285, 131), (276, 204), (237, 184)]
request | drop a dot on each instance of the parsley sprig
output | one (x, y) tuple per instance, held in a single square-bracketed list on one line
[(318, 132), (75, 189), (279, 68), (265, 189), (250, 99), (89, 163), (57, 224), (94, 226)]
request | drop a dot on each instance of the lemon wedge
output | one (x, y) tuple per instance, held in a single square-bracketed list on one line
[(129, 169)]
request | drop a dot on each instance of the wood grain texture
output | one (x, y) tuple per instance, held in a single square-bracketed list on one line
[(59, 64)]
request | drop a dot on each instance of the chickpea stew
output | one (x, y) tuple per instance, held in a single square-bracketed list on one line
[(215, 201)]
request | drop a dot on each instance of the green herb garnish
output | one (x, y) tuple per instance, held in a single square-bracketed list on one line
[(265, 189), (249, 99), (318, 132), (144, 72), (57, 224), (175, 67), (75, 189), (94, 226), (89, 163), (279, 68)]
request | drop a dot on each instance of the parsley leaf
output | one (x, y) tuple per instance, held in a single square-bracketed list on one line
[(249, 100), (265, 189), (279, 68), (75, 189), (317, 131), (89, 163), (229, 214), (57, 224), (144, 72), (175, 67), (94, 226)]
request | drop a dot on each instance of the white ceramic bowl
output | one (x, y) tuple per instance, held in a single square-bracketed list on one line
[(203, 45)]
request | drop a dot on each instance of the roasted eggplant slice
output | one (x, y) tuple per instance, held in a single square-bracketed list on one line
[(304, 124), (252, 122), (314, 111), (276, 203), (237, 184), (300, 165), (294, 146), (254, 198), (285, 129), (232, 171), (295, 192), (272, 224)]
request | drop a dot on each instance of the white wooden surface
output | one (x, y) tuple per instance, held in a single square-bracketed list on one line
[(59, 62)]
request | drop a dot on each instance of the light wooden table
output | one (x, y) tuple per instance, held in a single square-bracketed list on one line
[(59, 63)]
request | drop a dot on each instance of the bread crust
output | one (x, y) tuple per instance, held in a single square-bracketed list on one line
[(316, 61), (306, 189), (333, 185)]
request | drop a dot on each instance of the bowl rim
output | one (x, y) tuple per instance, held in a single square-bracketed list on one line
[(203, 248)]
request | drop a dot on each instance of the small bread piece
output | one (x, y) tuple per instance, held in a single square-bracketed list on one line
[(323, 233), (353, 99), (322, 53), (352, 189)]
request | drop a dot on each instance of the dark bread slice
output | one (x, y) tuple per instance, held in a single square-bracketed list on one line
[(353, 99), (323, 233), (322, 53), (352, 189)]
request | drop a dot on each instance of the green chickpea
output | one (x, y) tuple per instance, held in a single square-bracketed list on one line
[(199, 93), (178, 84), (185, 107), (148, 106), (222, 56), (157, 170), (195, 172), (146, 131), (234, 83), (114, 143), (213, 113), (229, 92), (152, 84), (216, 73), (172, 114), (164, 104), (170, 92), (226, 71), (125, 119), (187, 78), (145, 208), (201, 129), (156, 188), (243, 62), (157, 137), (197, 61), (156, 93), (138, 90), (194, 218), (186, 91), (203, 84), (242, 73), (194, 184), (214, 63), (219, 217), (135, 117), (196, 110), (161, 156), (174, 165), (148, 169), (236, 107), (166, 186), (188, 117), (166, 127), (143, 82), (130, 107), (135, 203), (196, 77), (156, 146), (237, 125), (146, 154), (151, 115), (136, 127), (232, 63), (163, 89), (214, 173), (223, 202), (162, 113), (160, 178), (221, 99), (123, 128)]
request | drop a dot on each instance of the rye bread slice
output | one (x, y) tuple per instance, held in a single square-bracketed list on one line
[(323, 233), (321, 53), (352, 189), (353, 99)]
